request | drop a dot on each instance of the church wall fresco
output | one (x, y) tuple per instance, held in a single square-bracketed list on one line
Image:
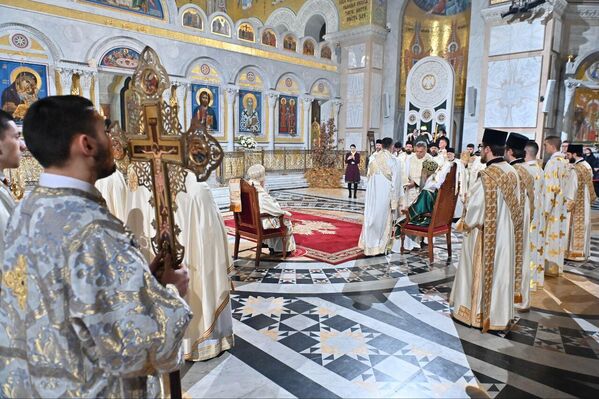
[(585, 115), (250, 112), (150, 8), (352, 13), (21, 84), (191, 18), (120, 57), (431, 27), (206, 107), (288, 116), (101, 48)]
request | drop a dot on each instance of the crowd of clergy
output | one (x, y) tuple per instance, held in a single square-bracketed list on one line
[(520, 217), (84, 312)]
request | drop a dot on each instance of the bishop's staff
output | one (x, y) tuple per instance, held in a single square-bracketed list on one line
[(162, 155)]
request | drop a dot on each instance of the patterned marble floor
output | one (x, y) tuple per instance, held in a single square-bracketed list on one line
[(380, 327)]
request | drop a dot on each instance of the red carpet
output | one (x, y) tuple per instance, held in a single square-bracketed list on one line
[(326, 239)]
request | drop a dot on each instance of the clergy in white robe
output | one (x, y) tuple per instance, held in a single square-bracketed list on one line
[(483, 291), (204, 236), (461, 181), (581, 195), (206, 256), (270, 206), (114, 191), (11, 150), (514, 154), (536, 239), (383, 193), (554, 206)]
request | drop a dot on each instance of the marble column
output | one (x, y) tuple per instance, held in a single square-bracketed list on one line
[(85, 81), (273, 98), (66, 80), (361, 82), (337, 103), (306, 107), (231, 93), (184, 111)]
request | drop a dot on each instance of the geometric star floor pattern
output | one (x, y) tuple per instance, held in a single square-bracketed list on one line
[(380, 327)]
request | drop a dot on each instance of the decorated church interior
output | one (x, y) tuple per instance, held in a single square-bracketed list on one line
[(299, 199)]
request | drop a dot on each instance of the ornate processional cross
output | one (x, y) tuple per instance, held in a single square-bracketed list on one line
[(162, 154)]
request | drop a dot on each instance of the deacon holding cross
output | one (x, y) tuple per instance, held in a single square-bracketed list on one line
[(81, 314)]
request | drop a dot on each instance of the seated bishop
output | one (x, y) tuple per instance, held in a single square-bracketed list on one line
[(269, 206), (580, 196), (419, 213)]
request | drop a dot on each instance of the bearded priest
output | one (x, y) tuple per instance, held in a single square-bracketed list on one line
[(483, 289), (554, 205), (581, 195)]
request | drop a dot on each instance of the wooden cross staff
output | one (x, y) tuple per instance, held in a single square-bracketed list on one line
[(164, 154)]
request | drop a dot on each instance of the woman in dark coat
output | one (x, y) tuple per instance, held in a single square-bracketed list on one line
[(352, 170)]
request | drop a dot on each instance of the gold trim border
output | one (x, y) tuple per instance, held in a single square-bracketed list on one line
[(83, 16)]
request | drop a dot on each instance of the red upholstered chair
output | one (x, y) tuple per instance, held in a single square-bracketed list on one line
[(441, 217), (248, 222)]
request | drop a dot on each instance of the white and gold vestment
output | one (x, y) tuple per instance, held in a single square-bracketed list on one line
[(80, 313), (581, 195), (483, 289), (556, 215), (536, 231), (527, 206), (383, 194)]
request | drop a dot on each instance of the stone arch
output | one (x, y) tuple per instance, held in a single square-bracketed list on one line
[(274, 32), (54, 52), (583, 59), (282, 17), (257, 34), (256, 22), (226, 17), (300, 82), (202, 13), (322, 46), (315, 26), (266, 84), (327, 83), (101, 47), (290, 35), (311, 40), (169, 8), (326, 9), (210, 61)]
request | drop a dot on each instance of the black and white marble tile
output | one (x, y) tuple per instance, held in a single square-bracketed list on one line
[(381, 327)]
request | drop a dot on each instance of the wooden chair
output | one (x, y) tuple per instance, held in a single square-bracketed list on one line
[(248, 223), (441, 216)]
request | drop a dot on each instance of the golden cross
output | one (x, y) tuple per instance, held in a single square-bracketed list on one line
[(160, 151)]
